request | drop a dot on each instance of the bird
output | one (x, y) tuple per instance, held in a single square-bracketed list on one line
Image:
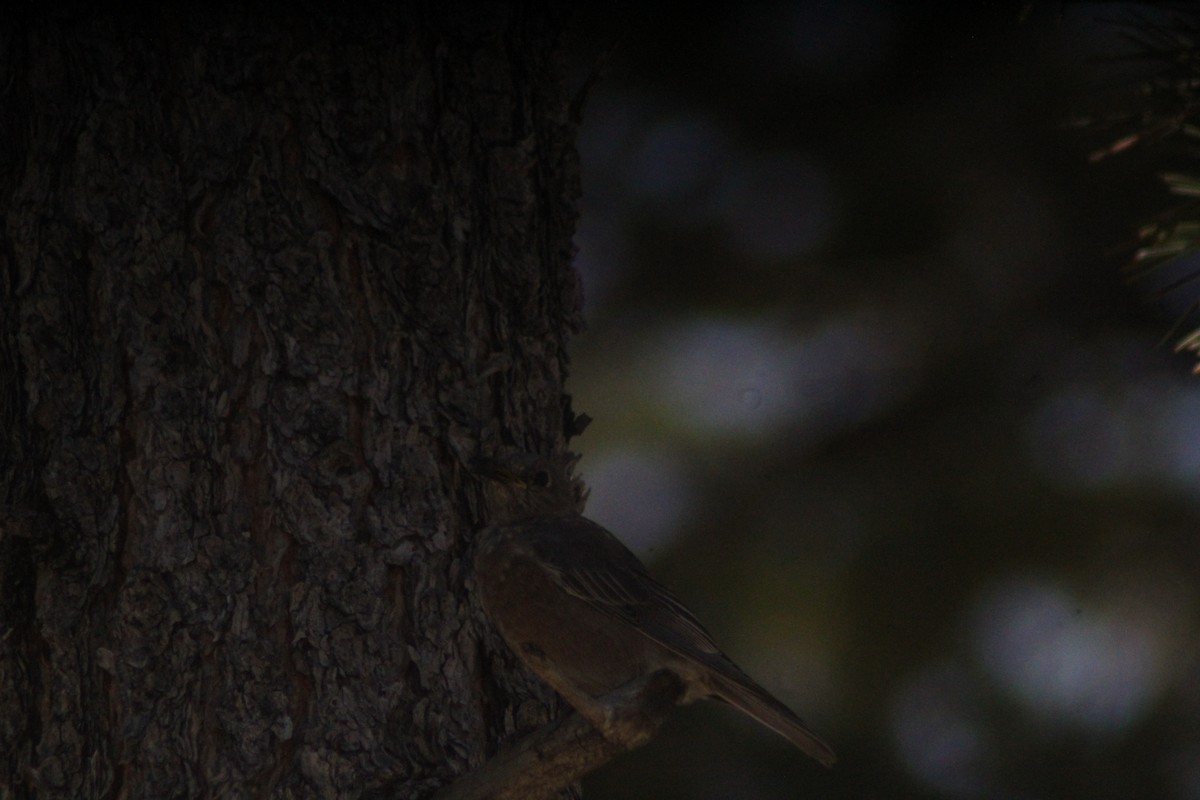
[(581, 611)]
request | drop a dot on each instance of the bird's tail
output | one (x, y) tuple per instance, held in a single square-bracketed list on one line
[(738, 690)]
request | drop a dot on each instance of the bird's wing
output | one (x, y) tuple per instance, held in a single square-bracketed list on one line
[(590, 563)]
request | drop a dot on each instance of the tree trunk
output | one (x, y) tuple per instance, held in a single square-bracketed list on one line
[(266, 285)]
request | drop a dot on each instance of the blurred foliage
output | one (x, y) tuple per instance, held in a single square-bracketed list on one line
[(871, 394), (1166, 37)]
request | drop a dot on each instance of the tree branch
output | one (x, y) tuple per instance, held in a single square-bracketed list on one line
[(560, 753)]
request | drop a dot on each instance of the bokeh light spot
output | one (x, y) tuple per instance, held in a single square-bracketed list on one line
[(731, 377), (642, 496), (936, 732), (1066, 664)]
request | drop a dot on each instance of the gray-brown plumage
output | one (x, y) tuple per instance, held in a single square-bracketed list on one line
[(580, 610)]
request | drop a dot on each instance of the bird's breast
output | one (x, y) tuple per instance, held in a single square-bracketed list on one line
[(558, 636)]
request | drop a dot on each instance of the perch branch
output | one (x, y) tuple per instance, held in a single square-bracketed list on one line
[(561, 752)]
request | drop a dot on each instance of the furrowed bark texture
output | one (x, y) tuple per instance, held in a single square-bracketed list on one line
[(265, 282)]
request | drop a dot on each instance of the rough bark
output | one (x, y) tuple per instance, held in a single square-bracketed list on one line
[(265, 282)]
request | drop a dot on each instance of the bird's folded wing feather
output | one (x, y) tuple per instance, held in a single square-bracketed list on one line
[(588, 562)]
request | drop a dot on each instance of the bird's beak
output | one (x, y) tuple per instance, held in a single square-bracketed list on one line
[(495, 470)]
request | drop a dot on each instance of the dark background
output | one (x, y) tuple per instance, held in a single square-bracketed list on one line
[(872, 394)]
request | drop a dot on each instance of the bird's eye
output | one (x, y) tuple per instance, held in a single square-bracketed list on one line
[(541, 479)]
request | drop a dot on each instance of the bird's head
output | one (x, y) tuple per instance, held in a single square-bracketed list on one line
[(523, 485)]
